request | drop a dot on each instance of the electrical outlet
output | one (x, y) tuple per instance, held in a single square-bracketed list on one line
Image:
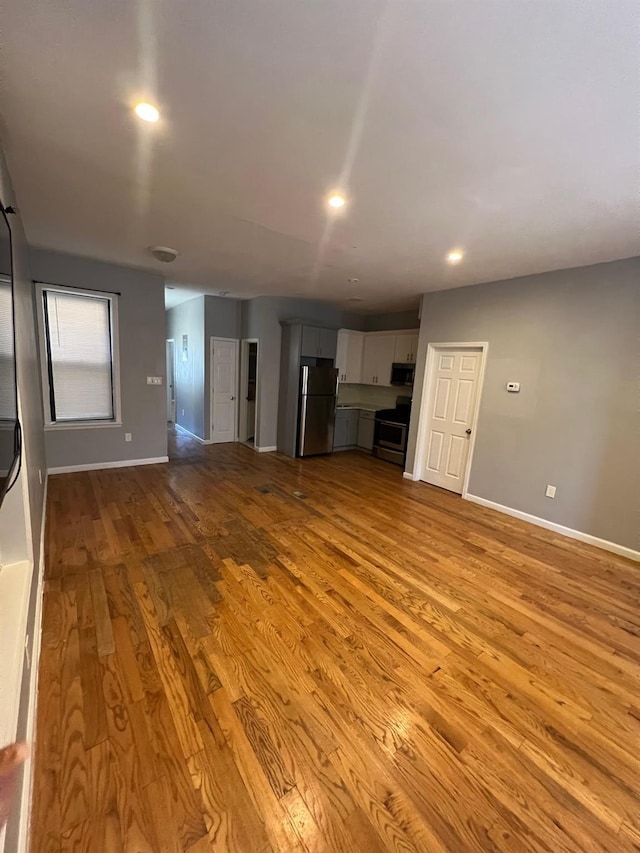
[(127, 436), (183, 413), (550, 492), (40, 475)]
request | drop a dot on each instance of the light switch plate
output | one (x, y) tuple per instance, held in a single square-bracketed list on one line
[(513, 387), (550, 492), (154, 380)]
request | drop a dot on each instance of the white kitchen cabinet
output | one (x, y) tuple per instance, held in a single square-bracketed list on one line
[(405, 348), (377, 358), (349, 355)]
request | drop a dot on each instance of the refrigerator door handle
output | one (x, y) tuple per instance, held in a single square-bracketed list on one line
[(305, 380), (303, 424)]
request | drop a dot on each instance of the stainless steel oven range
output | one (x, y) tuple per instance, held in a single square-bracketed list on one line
[(391, 432)]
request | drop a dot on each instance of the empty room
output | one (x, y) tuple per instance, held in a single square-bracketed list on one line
[(319, 426)]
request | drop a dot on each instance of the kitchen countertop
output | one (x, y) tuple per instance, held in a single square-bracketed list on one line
[(366, 407)]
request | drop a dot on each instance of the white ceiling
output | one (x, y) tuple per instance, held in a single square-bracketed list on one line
[(507, 128)]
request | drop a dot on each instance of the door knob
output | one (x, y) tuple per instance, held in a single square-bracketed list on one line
[(468, 431)]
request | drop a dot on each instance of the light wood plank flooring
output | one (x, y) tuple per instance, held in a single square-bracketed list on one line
[(243, 652)]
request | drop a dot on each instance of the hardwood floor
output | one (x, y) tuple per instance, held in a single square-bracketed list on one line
[(243, 652)]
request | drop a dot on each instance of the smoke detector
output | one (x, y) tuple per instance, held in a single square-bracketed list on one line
[(165, 254)]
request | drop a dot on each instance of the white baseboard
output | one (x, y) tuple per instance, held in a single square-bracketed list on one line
[(265, 449), (98, 466), (193, 435), (409, 476), (622, 550)]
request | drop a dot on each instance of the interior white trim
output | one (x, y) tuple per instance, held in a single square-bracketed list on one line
[(30, 735), (421, 444), (115, 356), (193, 435), (409, 476), (15, 583), (98, 466), (622, 550), (265, 449)]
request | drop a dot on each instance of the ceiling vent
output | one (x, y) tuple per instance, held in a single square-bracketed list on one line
[(163, 253)]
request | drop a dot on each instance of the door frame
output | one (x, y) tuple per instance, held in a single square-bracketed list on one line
[(173, 366), (423, 418), (209, 390), (244, 378)]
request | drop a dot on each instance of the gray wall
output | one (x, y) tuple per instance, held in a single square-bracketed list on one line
[(571, 338), (388, 322), (188, 319), (261, 319), (18, 534), (202, 318), (141, 321)]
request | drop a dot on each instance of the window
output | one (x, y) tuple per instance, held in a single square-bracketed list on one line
[(80, 375)]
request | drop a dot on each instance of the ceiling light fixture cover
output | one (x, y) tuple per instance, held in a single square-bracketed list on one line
[(165, 254), (336, 200), (147, 112)]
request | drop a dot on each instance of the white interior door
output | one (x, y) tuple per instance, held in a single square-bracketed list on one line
[(454, 385), (224, 390), (171, 381)]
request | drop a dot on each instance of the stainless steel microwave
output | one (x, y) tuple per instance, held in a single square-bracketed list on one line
[(402, 374)]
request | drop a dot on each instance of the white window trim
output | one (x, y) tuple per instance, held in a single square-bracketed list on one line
[(116, 421)]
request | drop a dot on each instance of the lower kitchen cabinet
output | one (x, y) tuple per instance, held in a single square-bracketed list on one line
[(346, 428), (366, 423)]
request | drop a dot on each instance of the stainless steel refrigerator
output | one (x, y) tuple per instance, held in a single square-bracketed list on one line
[(317, 412)]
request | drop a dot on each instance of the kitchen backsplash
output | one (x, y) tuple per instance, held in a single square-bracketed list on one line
[(373, 395)]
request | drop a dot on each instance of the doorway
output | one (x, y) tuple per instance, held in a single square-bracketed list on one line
[(449, 413), (248, 428), (171, 381), (224, 390)]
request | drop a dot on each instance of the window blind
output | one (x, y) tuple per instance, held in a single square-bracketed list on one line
[(78, 336)]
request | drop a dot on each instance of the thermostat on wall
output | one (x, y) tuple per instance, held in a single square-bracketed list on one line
[(514, 387)]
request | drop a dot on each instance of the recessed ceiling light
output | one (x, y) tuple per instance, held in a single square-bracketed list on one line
[(170, 287), (223, 292), (455, 256), (353, 280), (147, 112), (336, 200)]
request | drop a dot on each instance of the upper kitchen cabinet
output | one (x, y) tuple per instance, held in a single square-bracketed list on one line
[(349, 355), (318, 342), (377, 358), (405, 348)]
